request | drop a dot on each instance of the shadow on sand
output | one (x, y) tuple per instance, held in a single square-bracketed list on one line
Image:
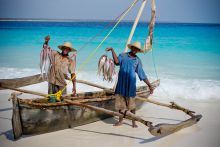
[(8, 134), (113, 120), (5, 118), (143, 140), (5, 109)]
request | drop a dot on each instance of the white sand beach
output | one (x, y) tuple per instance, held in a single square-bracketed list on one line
[(102, 133), (177, 43)]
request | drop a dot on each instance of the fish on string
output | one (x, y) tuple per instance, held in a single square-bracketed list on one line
[(46, 60), (106, 68)]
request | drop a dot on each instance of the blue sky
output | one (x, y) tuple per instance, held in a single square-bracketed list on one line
[(197, 11)]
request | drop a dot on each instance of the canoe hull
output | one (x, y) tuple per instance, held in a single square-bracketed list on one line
[(29, 119), (39, 120)]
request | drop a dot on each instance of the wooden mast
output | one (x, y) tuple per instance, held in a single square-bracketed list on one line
[(135, 24)]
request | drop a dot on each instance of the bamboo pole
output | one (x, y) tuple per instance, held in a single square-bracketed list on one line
[(26, 91), (173, 105), (45, 95), (92, 84), (157, 130), (21, 82), (125, 114)]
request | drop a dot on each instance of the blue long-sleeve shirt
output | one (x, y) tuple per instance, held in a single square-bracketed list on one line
[(129, 66)]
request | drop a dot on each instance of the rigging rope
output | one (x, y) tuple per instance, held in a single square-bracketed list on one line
[(59, 93), (107, 26)]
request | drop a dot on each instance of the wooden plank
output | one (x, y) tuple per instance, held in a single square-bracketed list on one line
[(16, 121), (21, 82), (29, 80), (166, 129)]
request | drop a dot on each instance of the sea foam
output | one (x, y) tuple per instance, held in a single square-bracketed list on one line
[(170, 87)]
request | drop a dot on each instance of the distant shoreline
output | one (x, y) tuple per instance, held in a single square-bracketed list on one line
[(90, 20)]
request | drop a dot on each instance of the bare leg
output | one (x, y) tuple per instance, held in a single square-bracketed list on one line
[(133, 121), (119, 123)]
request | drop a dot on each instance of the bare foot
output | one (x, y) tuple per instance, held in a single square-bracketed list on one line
[(118, 124), (134, 126)]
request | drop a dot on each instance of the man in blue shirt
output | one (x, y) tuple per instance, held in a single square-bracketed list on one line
[(125, 91)]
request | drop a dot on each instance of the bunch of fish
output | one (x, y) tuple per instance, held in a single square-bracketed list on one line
[(106, 68), (46, 60)]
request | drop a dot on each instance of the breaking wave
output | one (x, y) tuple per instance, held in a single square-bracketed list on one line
[(170, 88)]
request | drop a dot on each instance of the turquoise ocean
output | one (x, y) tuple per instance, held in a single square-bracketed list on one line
[(185, 57)]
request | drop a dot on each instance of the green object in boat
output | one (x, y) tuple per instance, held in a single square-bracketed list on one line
[(52, 99)]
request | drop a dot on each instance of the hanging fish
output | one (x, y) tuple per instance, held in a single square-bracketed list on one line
[(106, 68), (101, 64), (111, 71), (46, 60)]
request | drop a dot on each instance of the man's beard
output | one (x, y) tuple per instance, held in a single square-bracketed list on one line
[(65, 55)]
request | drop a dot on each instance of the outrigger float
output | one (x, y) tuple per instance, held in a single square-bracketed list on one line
[(37, 116)]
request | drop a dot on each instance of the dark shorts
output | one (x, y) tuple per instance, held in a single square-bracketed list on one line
[(52, 89)]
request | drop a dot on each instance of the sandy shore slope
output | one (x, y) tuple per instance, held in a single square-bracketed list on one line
[(102, 133)]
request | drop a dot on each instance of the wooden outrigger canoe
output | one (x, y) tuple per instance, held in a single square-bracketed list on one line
[(37, 116)]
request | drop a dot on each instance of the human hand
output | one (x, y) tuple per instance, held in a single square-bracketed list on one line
[(109, 49), (47, 38), (151, 89)]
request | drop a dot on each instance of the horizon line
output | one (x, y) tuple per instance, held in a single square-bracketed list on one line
[(92, 20)]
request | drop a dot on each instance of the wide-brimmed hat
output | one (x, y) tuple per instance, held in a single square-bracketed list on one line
[(136, 45), (67, 45)]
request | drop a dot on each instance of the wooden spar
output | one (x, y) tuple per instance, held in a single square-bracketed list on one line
[(157, 130), (30, 80), (151, 101), (27, 91), (106, 91), (21, 82), (166, 129), (126, 114), (16, 121), (92, 84), (140, 90), (171, 106), (135, 24)]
